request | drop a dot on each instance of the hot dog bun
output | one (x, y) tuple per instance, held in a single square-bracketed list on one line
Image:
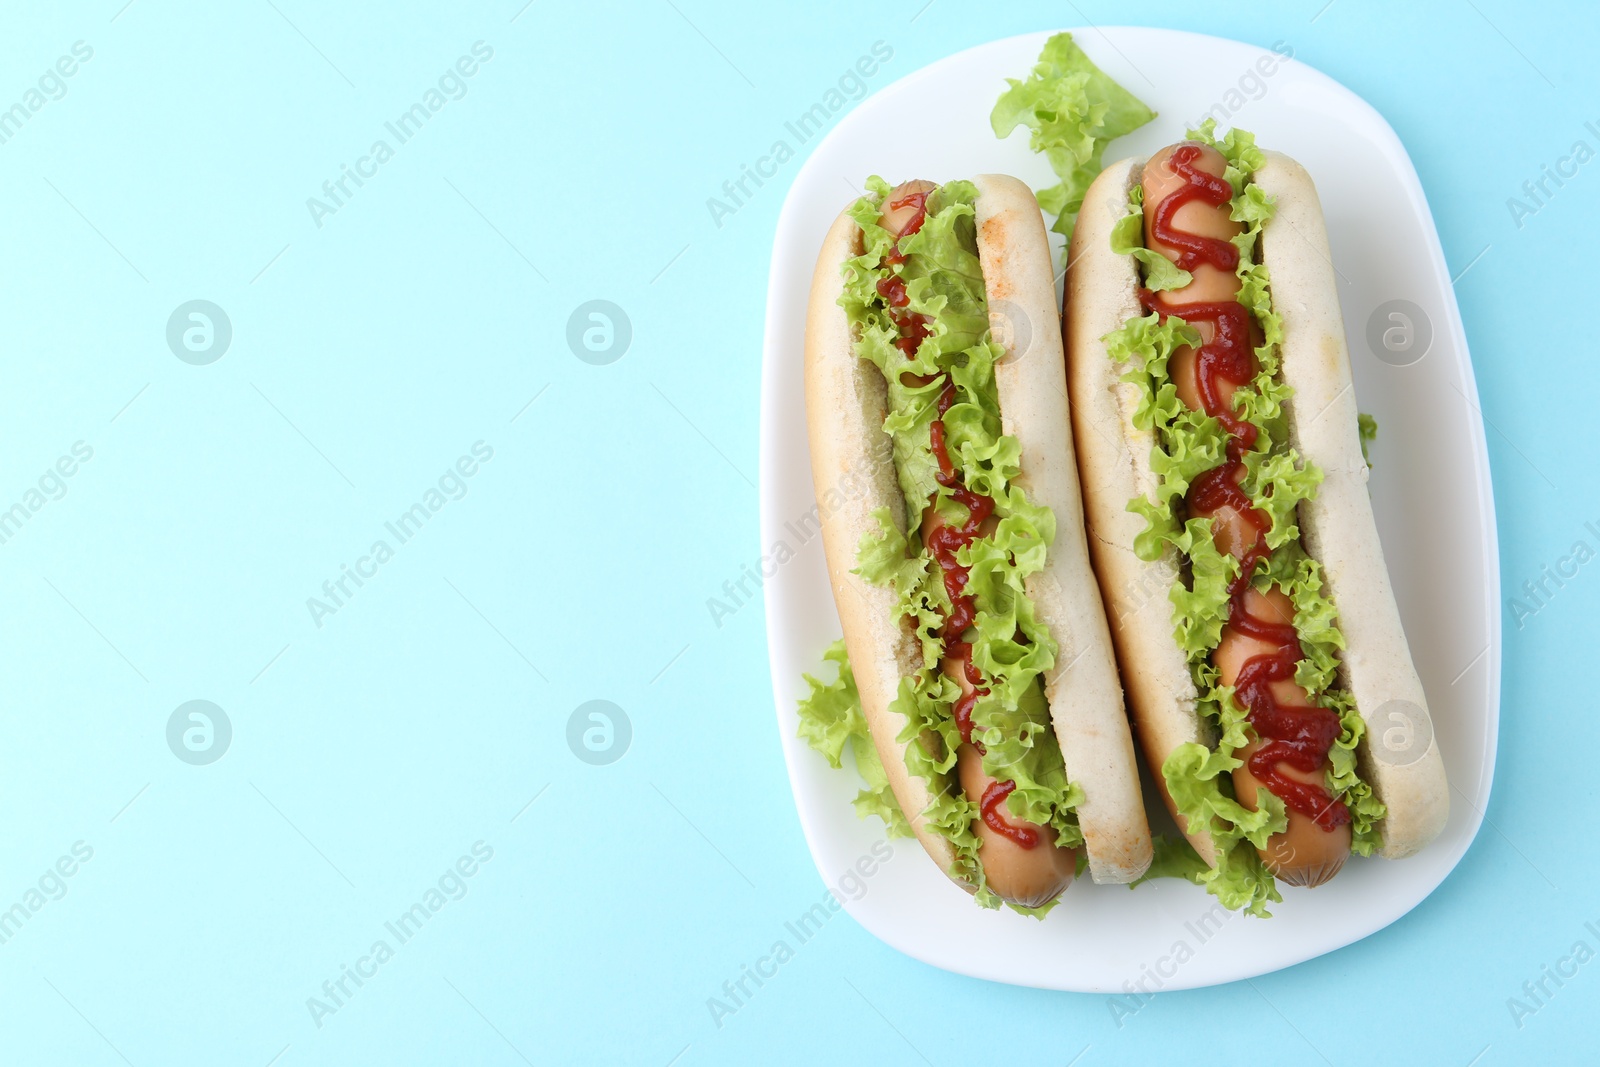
[(1336, 525), (846, 405)]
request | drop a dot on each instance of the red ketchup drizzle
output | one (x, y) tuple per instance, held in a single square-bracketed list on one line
[(1194, 249), (993, 797), (1296, 735), (1226, 356), (946, 540), (920, 202), (913, 327)]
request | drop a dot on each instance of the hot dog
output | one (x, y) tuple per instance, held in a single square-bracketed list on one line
[(1225, 491), (980, 681)]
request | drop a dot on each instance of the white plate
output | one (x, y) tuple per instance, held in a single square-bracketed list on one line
[(1430, 489)]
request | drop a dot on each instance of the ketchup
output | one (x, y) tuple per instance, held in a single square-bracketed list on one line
[(993, 797), (913, 326), (1298, 736), (1194, 249), (910, 199), (945, 540), (1226, 357)]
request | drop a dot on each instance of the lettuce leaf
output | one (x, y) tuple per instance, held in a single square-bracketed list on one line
[(1277, 480), (1072, 110), (1366, 810), (1367, 428), (1238, 147), (830, 719), (1127, 239)]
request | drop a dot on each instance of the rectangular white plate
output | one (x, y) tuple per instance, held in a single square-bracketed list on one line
[(1430, 489)]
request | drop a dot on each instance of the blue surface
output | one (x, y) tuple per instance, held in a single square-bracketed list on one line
[(374, 752)]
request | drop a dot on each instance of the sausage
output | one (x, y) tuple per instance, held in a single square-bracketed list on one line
[(896, 218), (1026, 876), (1304, 854)]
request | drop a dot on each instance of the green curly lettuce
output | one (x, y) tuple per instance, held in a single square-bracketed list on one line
[(830, 720), (1277, 481), (1072, 110), (1127, 239), (1367, 430)]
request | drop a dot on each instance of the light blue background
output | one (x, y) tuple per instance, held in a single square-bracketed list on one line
[(368, 354)]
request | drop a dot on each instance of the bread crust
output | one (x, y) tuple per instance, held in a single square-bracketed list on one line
[(1337, 527), (846, 403)]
